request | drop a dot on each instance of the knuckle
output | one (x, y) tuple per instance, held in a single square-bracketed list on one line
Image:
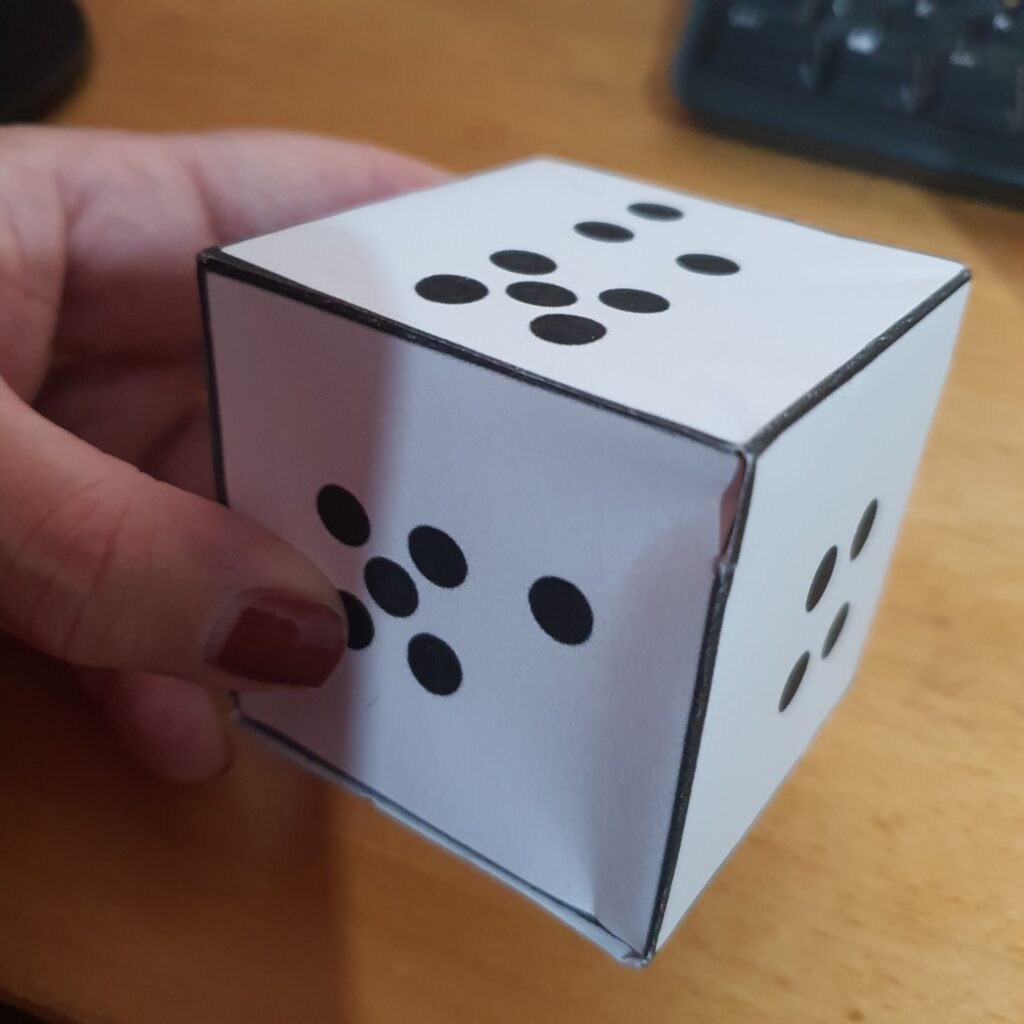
[(63, 583)]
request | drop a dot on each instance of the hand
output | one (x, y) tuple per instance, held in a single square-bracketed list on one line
[(113, 556)]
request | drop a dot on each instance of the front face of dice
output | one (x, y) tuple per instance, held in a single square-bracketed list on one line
[(527, 579)]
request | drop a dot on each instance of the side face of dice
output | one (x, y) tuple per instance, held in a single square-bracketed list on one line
[(586, 459), (825, 503)]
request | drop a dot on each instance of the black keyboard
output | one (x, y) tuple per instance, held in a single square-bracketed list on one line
[(932, 89)]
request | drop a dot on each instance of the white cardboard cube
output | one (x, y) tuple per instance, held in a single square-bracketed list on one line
[(601, 742)]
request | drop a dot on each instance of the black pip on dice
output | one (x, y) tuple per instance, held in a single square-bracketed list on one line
[(607, 477), (559, 607)]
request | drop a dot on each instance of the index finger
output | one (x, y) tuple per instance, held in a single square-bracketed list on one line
[(135, 209)]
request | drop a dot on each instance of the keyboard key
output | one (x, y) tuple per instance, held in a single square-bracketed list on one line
[(861, 10), (758, 13), (882, 69), (981, 88), (955, 21), (816, 68), (1008, 22), (767, 42)]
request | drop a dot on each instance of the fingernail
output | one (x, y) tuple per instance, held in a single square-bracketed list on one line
[(276, 637)]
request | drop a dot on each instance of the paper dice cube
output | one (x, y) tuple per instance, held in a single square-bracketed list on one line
[(607, 476)]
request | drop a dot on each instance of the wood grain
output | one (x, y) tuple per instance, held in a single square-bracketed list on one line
[(884, 882)]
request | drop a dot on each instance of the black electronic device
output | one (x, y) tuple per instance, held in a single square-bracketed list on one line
[(43, 52), (931, 89)]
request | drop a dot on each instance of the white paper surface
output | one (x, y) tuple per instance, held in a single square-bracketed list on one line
[(557, 762), (728, 355), (811, 487), (568, 915)]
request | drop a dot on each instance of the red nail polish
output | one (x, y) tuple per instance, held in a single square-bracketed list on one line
[(280, 638)]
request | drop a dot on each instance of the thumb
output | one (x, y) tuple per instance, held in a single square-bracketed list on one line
[(101, 565)]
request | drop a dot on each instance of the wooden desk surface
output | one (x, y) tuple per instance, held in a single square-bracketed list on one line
[(885, 881)]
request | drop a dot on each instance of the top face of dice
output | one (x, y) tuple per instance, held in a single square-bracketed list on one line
[(705, 316)]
